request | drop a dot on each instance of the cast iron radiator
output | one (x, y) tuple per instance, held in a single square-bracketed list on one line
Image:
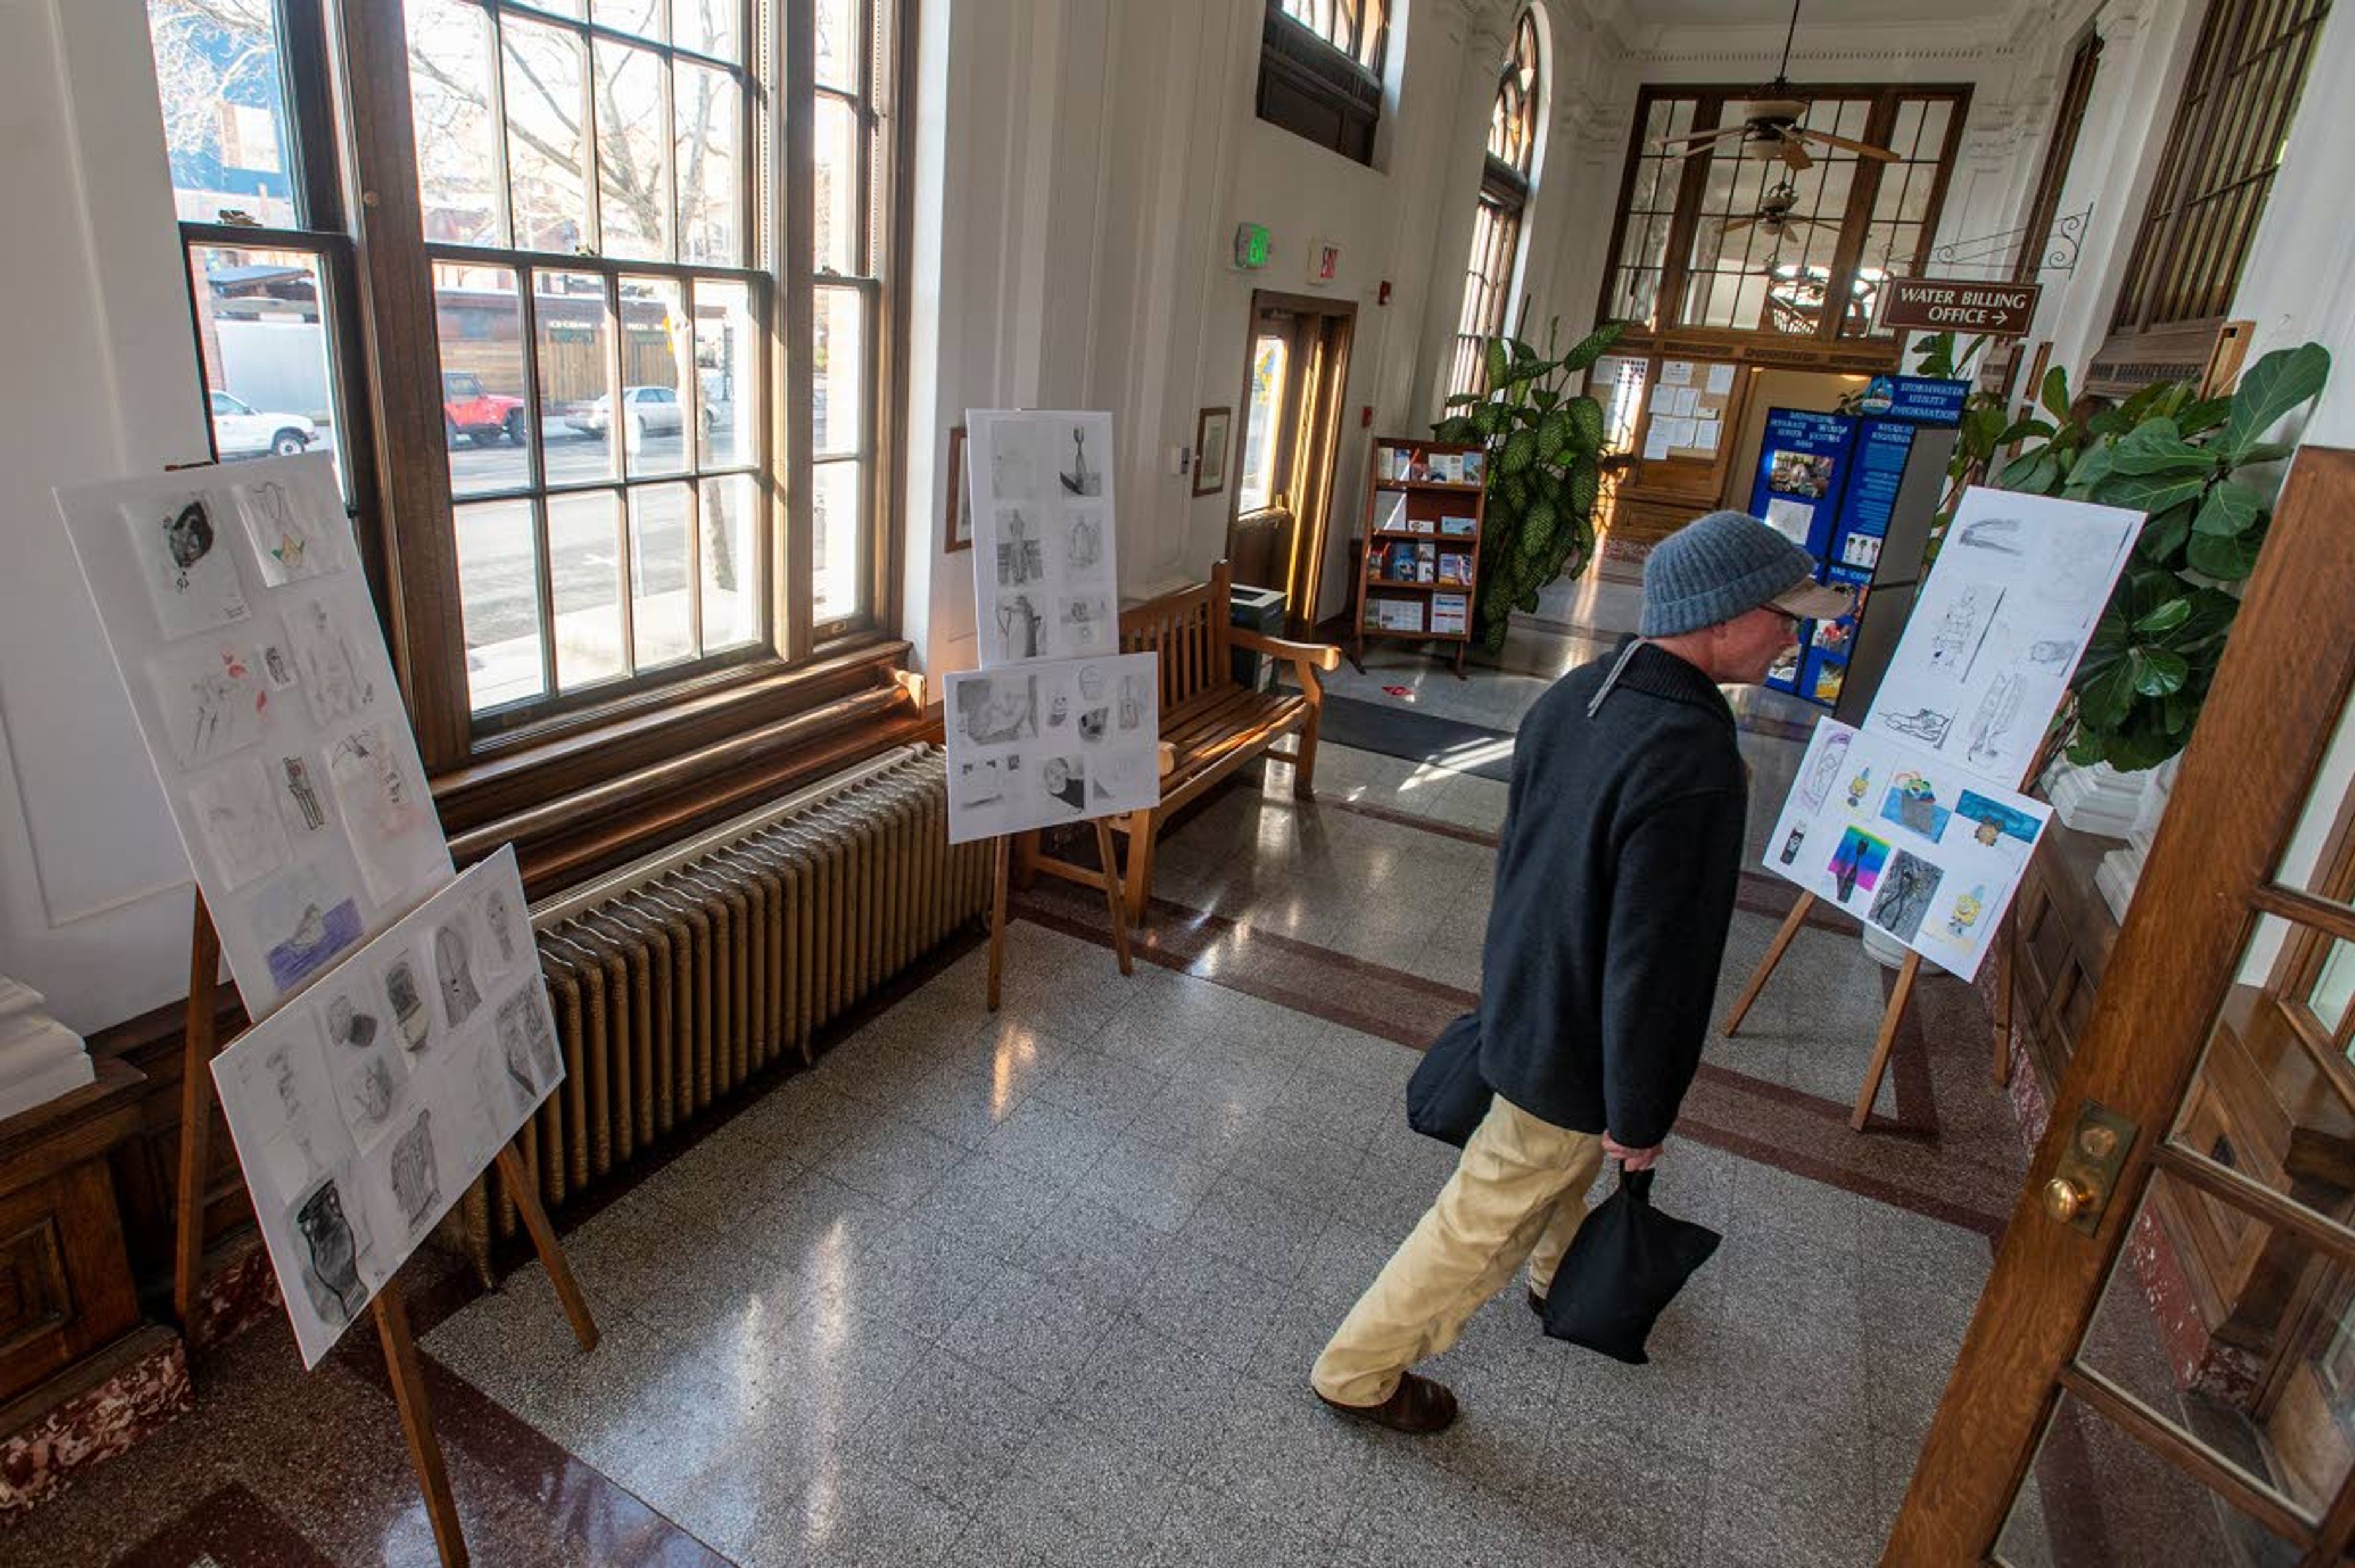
[(677, 980)]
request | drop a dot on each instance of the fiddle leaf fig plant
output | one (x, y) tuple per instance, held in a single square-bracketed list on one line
[(2202, 469), (1544, 470)]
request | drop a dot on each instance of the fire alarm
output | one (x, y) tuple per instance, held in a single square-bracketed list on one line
[(1366, 414), (1383, 296)]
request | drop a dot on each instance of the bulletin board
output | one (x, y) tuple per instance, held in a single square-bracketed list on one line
[(1691, 406)]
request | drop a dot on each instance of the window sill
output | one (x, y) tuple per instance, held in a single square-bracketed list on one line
[(589, 798)]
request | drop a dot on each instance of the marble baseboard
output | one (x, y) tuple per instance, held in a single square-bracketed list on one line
[(145, 1390), (240, 1290)]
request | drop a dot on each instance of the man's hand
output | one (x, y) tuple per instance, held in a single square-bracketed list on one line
[(1633, 1159)]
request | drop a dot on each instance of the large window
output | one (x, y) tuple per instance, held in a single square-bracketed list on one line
[(1320, 71), (627, 291), (2060, 151), (2230, 125), (1514, 125), (1734, 238)]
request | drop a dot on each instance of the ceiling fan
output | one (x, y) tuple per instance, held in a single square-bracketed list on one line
[(1775, 214), (1771, 128)]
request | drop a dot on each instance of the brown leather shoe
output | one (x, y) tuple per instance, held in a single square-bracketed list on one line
[(1416, 1406)]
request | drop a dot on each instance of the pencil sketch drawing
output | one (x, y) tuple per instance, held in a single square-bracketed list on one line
[(416, 1185), (331, 1277), (289, 540), (1962, 630), (996, 709), (1991, 726), (2000, 535), (1829, 760), (212, 700), (192, 577), (1082, 477), (1022, 553), (453, 960), (1923, 724), (333, 682)]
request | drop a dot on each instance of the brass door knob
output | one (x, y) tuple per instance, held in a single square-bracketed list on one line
[(2064, 1200)]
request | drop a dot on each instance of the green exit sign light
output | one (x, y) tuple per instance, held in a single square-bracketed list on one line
[(1250, 245)]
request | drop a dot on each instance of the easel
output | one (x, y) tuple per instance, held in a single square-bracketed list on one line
[(390, 1307), (2000, 945), (1001, 872)]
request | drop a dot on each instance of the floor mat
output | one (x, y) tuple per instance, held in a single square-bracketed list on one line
[(1401, 731)]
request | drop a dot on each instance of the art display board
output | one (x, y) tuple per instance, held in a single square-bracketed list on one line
[(366, 1106), (1998, 629), (1042, 743), (1044, 584), (1905, 840), (241, 625)]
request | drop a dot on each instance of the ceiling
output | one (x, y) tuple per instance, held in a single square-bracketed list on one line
[(1813, 14)]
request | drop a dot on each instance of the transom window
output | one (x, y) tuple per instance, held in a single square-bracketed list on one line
[(1320, 71), (1736, 239)]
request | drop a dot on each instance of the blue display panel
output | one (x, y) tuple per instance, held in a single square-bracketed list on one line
[(1802, 464), (1881, 449), (1917, 398)]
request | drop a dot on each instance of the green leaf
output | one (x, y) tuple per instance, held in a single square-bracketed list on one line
[(2156, 448), (1464, 399), (1528, 603), (2023, 429), (2265, 452), (2103, 701), (1554, 435), (1457, 428), (2032, 472), (2229, 510), (2270, 388), (1491, 421), (2227, 558), (1500, 362), (2212, 614), (2091, 468), (2157, 672), (1586, 420), (1545, 398), (2054, 394), (1585, 490), (1593, 346), (2204, 415), (1520, 447), (2163, 534), (2148, 491), (2166, 618)]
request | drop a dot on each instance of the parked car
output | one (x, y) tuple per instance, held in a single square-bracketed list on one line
[(240, 429), (650, 410), (468, 411)]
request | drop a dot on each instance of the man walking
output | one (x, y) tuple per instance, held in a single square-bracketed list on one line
[(1616, 879)]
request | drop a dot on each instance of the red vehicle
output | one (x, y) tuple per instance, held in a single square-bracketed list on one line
[(468, 411)]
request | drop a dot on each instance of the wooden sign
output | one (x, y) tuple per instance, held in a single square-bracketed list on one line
[(1940, 304)]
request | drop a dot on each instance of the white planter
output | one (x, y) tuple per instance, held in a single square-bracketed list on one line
[(2099, 800), (1883, 948)]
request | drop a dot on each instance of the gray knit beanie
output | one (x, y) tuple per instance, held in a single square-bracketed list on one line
[(1717, 566)]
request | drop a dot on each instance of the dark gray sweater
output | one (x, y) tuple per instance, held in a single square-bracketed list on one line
[(1614, 886)]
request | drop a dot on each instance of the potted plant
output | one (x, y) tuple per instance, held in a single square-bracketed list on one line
[(1544, 463)]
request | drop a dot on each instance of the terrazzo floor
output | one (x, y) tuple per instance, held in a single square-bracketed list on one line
[(1043, 1288)]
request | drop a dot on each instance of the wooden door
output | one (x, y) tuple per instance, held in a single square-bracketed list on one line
[(1296, 368), (2059, 1441)]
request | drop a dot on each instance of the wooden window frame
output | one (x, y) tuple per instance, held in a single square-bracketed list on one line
[(1499, 228), (2060, 153), (632, 738), (1315, 87), (2215, 154), (1711, 102)]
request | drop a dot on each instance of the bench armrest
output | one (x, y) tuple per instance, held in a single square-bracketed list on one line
[(1307, 655)]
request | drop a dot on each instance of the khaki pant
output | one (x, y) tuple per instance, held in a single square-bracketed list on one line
[(1519, 1192)]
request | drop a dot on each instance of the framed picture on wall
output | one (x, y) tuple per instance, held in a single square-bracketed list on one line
[(1210, 429), (960, 511)]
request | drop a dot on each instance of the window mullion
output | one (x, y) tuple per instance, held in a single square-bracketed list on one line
[(795, 65)]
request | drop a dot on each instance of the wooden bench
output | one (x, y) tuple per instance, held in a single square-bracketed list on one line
[(1211, 725)]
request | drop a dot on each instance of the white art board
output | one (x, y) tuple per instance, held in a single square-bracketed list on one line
[(1905, 840), (241, 625), (1040, 744), (361, 1110), (1999, 627), (1044, 584)]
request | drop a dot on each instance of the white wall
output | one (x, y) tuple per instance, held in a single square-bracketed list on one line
[(95, 906)]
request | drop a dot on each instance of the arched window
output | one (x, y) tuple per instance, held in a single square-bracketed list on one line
[(1514, 127)]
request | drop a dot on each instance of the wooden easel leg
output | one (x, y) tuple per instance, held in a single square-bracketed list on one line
[(417, 1422), (196, 1115), (1774, 951), (1000, 869), (1890, 1016), (1113, 903), (2004, 939), (551, 1252)]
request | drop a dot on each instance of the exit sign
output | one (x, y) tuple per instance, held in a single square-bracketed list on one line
[(1324, 262), (1250, 245)]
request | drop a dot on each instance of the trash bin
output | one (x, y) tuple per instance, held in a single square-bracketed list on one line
[(1256, 610)]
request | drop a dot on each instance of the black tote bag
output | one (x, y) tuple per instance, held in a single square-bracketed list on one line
[(1447, 1098), (1626, 1263)]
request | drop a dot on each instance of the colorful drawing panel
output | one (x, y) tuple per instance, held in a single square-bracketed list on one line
[(1869, 826), (249, 645), (364, 1107)]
